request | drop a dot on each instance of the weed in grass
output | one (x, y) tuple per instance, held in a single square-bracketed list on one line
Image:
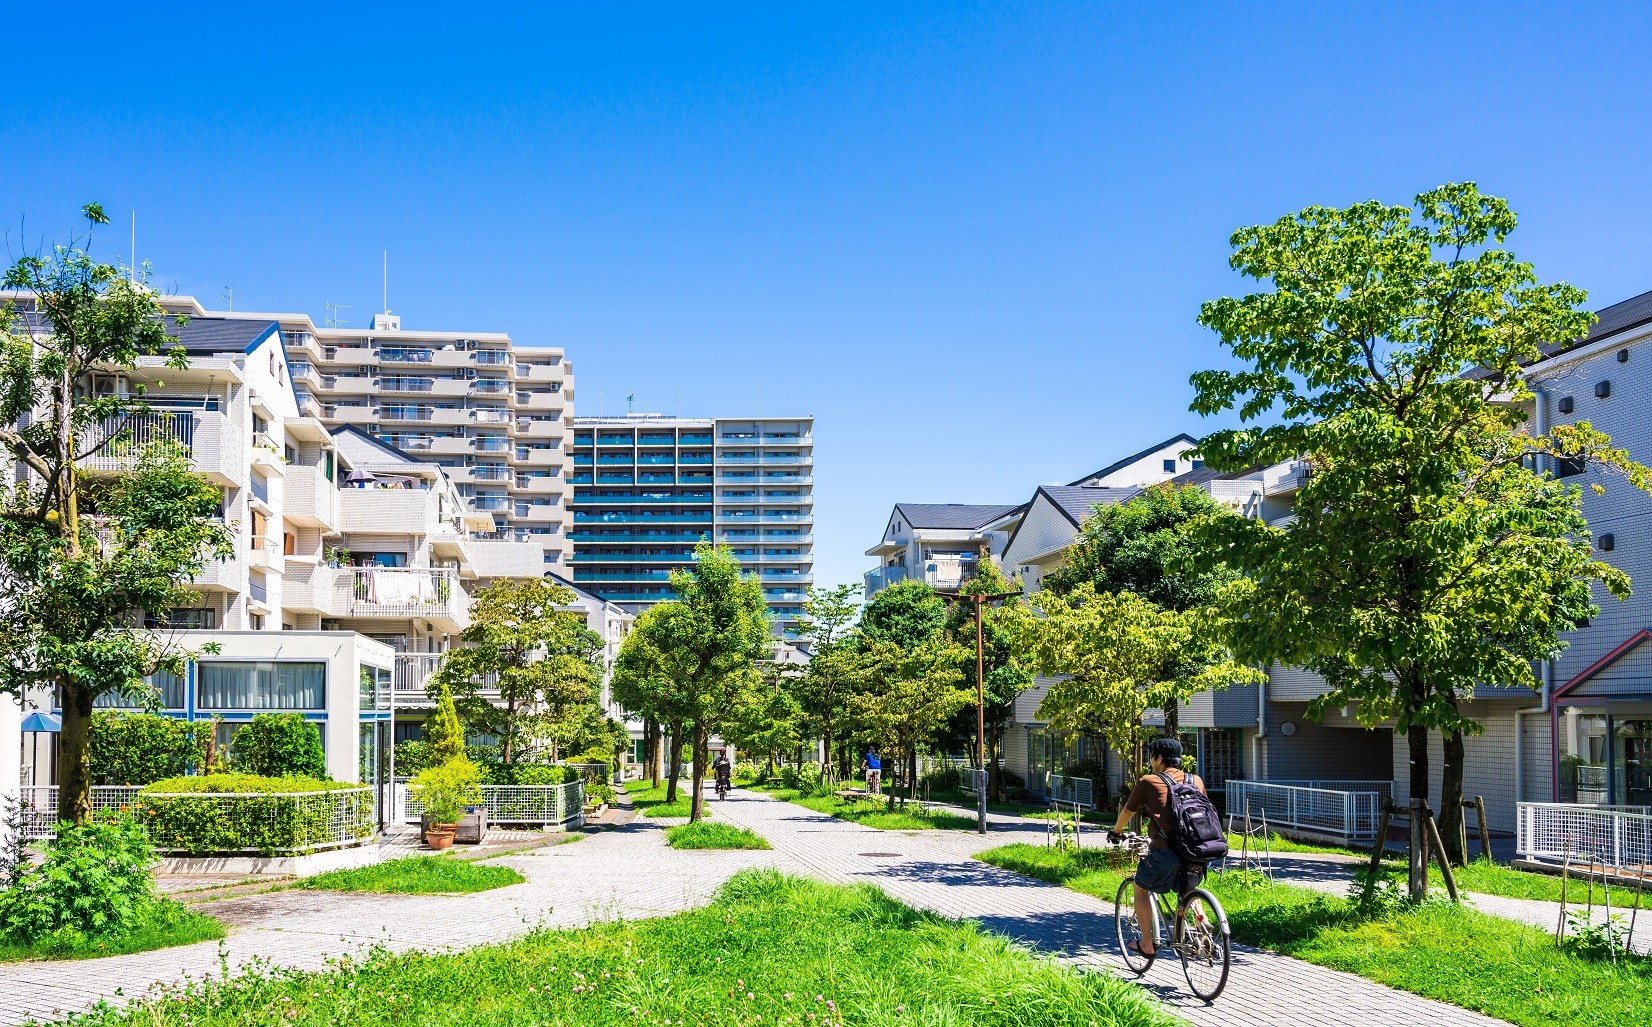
[(162, 925), (769, 946), (703, 834), (416, 875)]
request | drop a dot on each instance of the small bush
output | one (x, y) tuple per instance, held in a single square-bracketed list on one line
[(445, 791), (705, 834), (411, 757), (279, 745), (137, 748), (94, 881), (247, 813), (526, 774)]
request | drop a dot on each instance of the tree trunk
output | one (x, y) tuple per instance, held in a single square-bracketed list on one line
[(911, 775), (826, 754), (74, 768), (697, 800), (1451, 799), (674, 753), (1417, 742), (651, 750)]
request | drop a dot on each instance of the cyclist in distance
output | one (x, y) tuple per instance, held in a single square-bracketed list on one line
[(1161, 870), (720, 770)]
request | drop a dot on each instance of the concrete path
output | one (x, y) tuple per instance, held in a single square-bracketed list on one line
[(934, 870), (624, 872)]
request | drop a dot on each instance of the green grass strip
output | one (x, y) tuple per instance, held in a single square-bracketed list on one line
[(1438, 950), (163, 925), (704, 834), (650, 800), (416, 875), (785, 950)]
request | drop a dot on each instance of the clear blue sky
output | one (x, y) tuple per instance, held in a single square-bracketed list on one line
[(970, 240)]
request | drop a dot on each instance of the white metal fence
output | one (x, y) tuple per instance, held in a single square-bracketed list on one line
[(1619, 837), (535, 805), (1350, 809), (40, 806), (1070, 791)]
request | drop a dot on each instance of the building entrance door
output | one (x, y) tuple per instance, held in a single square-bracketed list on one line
[(1633, 772)]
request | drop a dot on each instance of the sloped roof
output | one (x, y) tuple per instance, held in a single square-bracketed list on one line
[(1078, 501), (1620, 674), (952, 516), (1200, 475), (1619, 317), (362, 447), (1132, 458), (201, 336)]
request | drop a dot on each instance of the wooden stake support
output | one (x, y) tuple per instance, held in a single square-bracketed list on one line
[(1440, 854)]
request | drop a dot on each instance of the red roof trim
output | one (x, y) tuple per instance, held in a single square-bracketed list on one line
[(1605, 661)]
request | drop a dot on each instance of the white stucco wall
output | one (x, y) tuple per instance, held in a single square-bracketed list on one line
[(11, 741)]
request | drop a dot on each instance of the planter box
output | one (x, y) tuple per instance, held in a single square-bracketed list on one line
[(473, 827)]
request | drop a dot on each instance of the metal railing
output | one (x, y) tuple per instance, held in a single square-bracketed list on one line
[(380, 591), (40, 806), (1349, 812), (305, 821), (1557, 832), (1073, 791), (538, 805)]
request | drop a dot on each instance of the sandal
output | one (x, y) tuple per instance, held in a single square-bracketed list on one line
[(1135, 947)]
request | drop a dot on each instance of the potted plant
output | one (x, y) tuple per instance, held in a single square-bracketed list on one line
[(444, 792)]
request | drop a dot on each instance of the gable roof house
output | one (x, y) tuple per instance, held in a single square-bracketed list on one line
[(938, 543)]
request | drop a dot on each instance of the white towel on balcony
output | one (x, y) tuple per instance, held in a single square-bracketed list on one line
[(401, 588)]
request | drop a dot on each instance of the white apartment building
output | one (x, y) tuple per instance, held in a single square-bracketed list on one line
[(495, 414), (354, 563), (939, 544), (646, 488)]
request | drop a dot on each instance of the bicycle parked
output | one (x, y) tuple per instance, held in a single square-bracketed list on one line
[(1198, 932)]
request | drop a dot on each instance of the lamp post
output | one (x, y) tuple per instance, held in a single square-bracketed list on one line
[(980, 602)]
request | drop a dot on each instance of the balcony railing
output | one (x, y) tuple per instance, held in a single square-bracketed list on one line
[(400, 355), (490, 504), (490, 386), (490, 472), (493, 444), (405, 413), (491, 416), (260, 489), (399, 592), (492, 357), (407, 384)]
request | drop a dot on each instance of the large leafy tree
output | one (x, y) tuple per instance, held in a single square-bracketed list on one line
[(908, 614), (1430, 553), (767, 720), (529, 664), (82, 554), (828, 620), (695, 659), (1117, 655), (906, 693)]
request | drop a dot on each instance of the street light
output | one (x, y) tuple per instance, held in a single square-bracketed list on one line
[(980, 601)]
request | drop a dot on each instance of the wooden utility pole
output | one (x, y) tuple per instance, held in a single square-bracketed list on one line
[(980, 602)]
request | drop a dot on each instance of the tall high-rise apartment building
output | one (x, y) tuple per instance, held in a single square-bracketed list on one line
[(495, 414), (647, 488)]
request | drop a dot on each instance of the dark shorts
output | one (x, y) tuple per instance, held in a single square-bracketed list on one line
[(1161, 871)]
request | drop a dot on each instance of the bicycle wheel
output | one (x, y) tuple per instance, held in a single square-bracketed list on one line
[(1204, 945), (1129, 932)]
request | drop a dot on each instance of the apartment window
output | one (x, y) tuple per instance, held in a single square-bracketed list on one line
[(192, 619), (1170, 467), (1220, 758), (166, 688), (379, 559), (375, 688), (1569, 467), (261, 685)]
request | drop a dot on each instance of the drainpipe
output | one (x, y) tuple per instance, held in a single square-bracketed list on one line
[(1261, 725), (1547, 689)]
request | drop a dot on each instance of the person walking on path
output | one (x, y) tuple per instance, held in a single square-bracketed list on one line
[(873, 765)]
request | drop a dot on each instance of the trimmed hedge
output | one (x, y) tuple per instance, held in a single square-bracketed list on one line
[(137, 748), (279, 745), (250, 813)]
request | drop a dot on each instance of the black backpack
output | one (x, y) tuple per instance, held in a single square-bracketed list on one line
[(1190, 823)]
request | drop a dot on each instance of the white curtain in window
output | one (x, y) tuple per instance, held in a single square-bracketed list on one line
[(262, 685)]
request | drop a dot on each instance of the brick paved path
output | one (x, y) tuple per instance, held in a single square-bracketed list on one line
[(627, 872), (934, 870)]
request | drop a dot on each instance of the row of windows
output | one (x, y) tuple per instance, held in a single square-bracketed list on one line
[(255, 685)]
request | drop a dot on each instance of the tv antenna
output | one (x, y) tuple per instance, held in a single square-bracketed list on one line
[(628, 401), (333, 320), (229, 297)]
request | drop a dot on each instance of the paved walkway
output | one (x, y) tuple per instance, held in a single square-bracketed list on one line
[(624, 872), (934, 870)]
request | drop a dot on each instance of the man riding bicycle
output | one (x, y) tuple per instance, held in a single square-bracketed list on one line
[(1161, 870), (720, 771)]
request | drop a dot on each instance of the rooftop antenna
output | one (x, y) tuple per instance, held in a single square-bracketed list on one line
[(628, 400), (333, 320), (229, 297)]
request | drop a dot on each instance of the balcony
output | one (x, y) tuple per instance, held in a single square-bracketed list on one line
[(539, 400), (213, 442), (584, 575), (360, 356), (404, 355), (538, 372), (355, 383), (308, 588), (587, 537), (614, 440), (641, 517), (398, 412), (540, 512), (694, 438), (302, 341), (400, 593), (264, 554), (491, 386), (451, 445), (487, 472), (601, 556), (537, 457), (491, 416), (350, 413), (492, 357), (542, 428), (537, 483), (492, 444), (685, 499), (491, 504), (649, 439), (407, 384)]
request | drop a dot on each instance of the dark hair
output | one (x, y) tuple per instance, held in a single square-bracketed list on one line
[(1167, 749)]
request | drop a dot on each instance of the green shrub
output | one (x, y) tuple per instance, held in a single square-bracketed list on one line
[(411, 757), (526, 774), (94, 881), (597, 794), (137, 748), (443, 730), (445, 791), (279, 745), (245, 812)]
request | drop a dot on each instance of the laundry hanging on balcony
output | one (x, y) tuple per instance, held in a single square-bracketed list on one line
[(400, 588)]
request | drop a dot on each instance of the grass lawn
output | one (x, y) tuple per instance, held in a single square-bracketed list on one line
[(769, 950), (1491, 878), (876, 812), (416, 875), (166, 924), (1450, 953), (704, 834), (1279, 843), (650, 801)]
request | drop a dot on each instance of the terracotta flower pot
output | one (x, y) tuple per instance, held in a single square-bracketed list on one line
[(440, 836)]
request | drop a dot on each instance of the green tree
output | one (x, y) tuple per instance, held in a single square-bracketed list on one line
[(906, 693), (1428, 555), (767, 721), (1116, 655), (141, 748), (691, 660), (443, 731), (828, 619), (79, 553), (526, 644), (907, 613)]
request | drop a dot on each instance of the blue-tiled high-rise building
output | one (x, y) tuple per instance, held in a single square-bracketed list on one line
[(646, 488)]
